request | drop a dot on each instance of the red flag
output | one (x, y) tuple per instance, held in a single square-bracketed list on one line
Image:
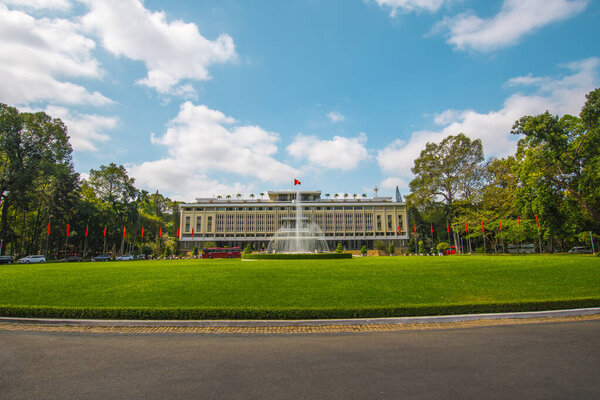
[(500, 221), (177, 232), (536, 221), (448, 226), (104, 230), (48, 229), (296, 182), (519, 223), (124, 231), (192, 233), (482, 227), (466, 227), (86, 230), (68, 230), (160, 232), (399, 230), (142, 232), (431, 226), (415, 229)]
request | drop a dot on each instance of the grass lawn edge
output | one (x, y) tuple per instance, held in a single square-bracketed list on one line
[(208, 313)]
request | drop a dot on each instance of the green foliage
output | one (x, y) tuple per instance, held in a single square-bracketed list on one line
[(339, 248), (441, 246), (248, 249), (168, 252), (391, 249), (195, 250), (307, 256), (421, 247), (210, 244), (363, 250)]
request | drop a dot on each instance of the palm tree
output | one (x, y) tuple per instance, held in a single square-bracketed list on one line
[(346, 195), (337, 195), (228, 197), (219, 197), (252, 196), (354, 195), (238, 195), (327, 195), (261, 195), (364, 195)]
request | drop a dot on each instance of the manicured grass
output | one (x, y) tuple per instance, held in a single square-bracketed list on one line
[(367, 286)]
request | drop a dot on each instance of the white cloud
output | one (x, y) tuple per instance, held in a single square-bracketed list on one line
[(40, 4), (338, 153), (36, 55), (172, 51), (392, 182), (516, 19), (335, 116), (200, 141), (411, 5), (564, 95), (85, 130)]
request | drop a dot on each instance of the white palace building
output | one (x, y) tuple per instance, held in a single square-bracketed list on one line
[(352, 221)]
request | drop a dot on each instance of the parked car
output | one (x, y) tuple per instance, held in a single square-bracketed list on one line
[(102, 257), (140, 257), (125, 257), (72, 259), (32, 259), (6, 260), (580, 250), (450, 250)]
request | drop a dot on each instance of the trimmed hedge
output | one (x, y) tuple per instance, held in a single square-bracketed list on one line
[(288, 313), (304, 256)]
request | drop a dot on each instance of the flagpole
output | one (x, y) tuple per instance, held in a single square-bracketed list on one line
[(483, 237), (538, 229), (592, 239)]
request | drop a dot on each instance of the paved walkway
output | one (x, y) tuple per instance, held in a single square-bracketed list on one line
[(274, 328)]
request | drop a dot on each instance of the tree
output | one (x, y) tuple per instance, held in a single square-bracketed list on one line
[(450, 170), (195, 250), (564, 152), (252, 196), (248, 249), (339, 248), (363, 250), (392, 249)]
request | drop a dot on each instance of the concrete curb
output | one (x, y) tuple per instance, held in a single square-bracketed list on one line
[(305, 322)]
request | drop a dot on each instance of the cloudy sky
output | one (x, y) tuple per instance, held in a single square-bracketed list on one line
[(199, 98)]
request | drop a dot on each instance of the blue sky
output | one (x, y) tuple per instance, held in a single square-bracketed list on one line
[(200, 98)]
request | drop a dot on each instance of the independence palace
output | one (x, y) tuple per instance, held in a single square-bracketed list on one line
[(352, 221)]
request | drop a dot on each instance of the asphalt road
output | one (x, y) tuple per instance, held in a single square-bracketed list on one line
[(543, 361)]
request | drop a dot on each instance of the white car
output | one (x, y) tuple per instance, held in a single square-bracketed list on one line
[(32, 259), (125, 257)]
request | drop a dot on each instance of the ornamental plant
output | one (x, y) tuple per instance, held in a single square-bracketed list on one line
[(363, 250), (339, 248)]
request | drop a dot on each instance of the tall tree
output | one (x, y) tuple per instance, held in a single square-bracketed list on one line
[(447, 171), (564, 152)]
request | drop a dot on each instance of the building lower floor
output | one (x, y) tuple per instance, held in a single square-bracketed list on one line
[(260, 244)]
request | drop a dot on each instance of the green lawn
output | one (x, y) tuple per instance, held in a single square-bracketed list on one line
[(392, 285)]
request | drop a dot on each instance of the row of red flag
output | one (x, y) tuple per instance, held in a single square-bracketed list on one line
[(467, 225), (87, 230)]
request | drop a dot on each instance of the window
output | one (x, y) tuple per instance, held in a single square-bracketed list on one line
[(198, 224), (389, 222), (187, 224), (379, 222), (209, 224)]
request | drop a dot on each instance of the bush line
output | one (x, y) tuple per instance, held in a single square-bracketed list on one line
[(311, 256), (287, 313)]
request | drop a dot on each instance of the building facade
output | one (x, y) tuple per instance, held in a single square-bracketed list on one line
[(354, 222)]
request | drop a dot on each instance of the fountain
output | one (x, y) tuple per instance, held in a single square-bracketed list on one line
[(298, 235)]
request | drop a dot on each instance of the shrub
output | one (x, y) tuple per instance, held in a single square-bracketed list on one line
[(339, 249), (305, 256), (441, 246), (421, 247), (248, 249), (392, 250), (195, 250), (167, 252), (363, 250)]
